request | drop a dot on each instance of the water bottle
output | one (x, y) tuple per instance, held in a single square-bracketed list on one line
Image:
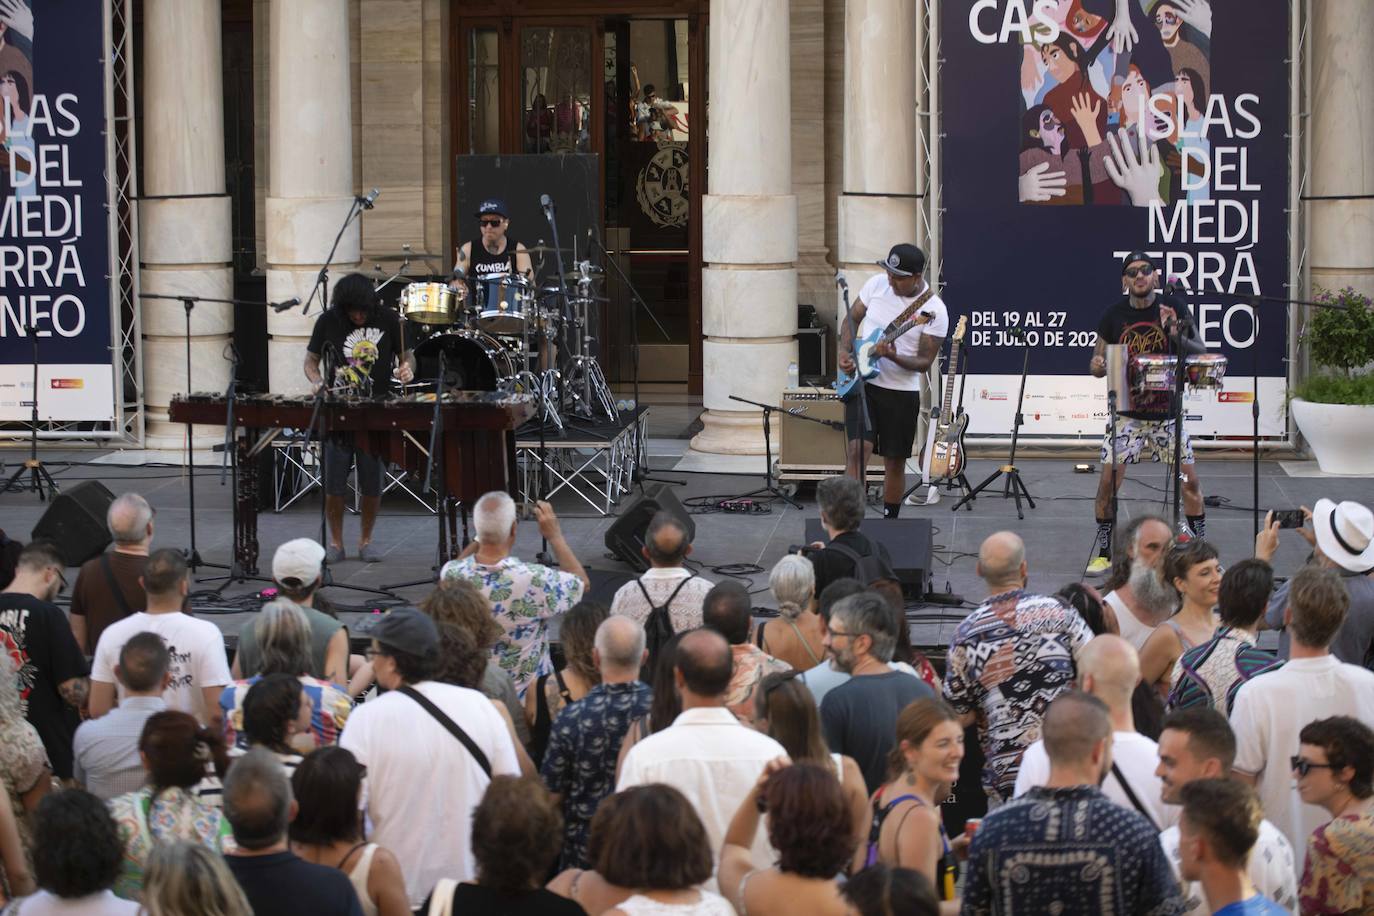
[(793, 375)]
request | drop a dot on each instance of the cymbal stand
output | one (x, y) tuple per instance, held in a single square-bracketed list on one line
[(537, 383), (584, 372), (39, 476)]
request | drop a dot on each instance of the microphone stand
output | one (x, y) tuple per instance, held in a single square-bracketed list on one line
[(39, 476), (321, 287), (768, 486), (1013, 486), (442, 552)]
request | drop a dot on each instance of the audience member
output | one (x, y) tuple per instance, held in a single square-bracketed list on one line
[(187, 879), (1193, 569), (1008, 659), (664, 703), (882, 891), (727, 611), (825, 677), (106, 759), (412, 730), (176, 752), (1118, 865), (259, 807), (76, 858), (1270, 711), (52, 676), (297, 568), (1087, 601), (1136, 595), (797, 636), (1109, 669), (706, 754), (585, 886), (24, 765), (572, 682), (808, 824), (200, 668), (516, 833), (109, 587), (1342, 539), (15, 872), (579, 767), (283, 636), (858, 714), (923, 769), (667, 583), (328, 830), (276, 718), (463, 663), (523, 596), (1209, 674), (848, 552), (1217, 830), (1334, 766), (785, 711), (1197, 744)]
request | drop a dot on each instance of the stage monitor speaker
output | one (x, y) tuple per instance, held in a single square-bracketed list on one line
[(75, 522), (908, 542), (625, 537)]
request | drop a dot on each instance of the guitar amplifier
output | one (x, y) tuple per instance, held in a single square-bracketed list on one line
[(812, 451)]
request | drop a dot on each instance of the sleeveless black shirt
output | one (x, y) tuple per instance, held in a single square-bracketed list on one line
[(485, 265)]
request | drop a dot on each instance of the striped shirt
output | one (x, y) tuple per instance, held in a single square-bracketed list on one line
[(1213, 671), (105, 750)]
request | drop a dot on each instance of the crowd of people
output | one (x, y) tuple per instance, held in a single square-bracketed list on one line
[(677, 752)]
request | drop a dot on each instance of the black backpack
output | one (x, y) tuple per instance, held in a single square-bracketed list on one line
[(868, 569), (658, 627)]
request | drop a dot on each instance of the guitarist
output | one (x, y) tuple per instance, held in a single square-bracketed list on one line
[(894, 394)]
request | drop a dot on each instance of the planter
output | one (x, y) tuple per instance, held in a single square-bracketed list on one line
[(1340, 435)]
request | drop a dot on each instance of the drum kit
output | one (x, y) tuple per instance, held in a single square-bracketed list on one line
[(513, 336)]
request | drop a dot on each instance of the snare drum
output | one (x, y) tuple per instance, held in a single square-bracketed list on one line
[(473, 361), (1205, 370), (504, 304), (429, 303), (1153, 372)]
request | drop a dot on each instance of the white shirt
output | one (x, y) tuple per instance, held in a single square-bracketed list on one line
[(1132, 630), (881, 305), (1135, 755), (104, 903), (196, 647), (711, 758), (422, 784), (685, 611), (1269, 713), (1272, 870)]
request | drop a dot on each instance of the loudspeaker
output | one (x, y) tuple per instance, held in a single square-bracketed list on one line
[(812, 346), (908, 542), (75, 522), (625, 537)]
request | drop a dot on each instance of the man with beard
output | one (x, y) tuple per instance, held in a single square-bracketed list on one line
[(1136, 595)]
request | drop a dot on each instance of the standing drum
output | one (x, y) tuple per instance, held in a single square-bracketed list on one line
[(504, 303), (429, 303), (1153, 372), (1205, 370)]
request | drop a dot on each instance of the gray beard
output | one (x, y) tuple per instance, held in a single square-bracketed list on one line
[(1153, 595)]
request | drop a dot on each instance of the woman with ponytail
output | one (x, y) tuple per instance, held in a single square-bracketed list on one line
[(178, 755), (795, 637)]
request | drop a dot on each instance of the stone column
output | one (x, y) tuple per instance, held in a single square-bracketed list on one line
[(749, 228), (1342, 130), (311, 171), (184, 218), (814, 273)]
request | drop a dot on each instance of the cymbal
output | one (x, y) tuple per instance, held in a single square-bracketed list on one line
[(400, 256), (547, 249)]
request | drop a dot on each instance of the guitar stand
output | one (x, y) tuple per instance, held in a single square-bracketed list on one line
[(958, 482)]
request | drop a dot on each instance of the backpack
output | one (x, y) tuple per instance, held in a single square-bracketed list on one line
[(658, 628), (868, 569)]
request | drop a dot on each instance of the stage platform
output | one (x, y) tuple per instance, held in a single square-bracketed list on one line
[(1058, 532)]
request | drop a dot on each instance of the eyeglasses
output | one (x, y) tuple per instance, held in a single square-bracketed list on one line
[(370, 653), (834, 632), (491, 223), (1132, 272), (1167, 19), (1305, 766)]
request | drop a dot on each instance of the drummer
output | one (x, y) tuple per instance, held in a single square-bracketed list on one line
[(1145, 322), (495, 253)]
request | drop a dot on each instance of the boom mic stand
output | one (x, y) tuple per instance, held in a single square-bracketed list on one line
[(39, 476), (768, 486), (441, 505), (1013, 486), (321, 287)]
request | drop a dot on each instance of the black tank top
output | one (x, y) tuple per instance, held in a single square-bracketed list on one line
[(486, 265)]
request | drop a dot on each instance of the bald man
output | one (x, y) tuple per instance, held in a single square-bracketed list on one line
[(1009, 659), (1109, 669), (109, 588)]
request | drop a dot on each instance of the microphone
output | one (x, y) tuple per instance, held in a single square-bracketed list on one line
[(546, 204), (287, 304), (841, 282), (1173, 285), (369, 201)]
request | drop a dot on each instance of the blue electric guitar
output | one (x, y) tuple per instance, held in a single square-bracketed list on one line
[(865, 362)]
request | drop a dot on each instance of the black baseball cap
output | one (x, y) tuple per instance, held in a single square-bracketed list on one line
[(904, 260), (409, 630), (493, 206), (1136, 256)]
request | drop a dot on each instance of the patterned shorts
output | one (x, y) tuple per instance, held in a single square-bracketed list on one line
[(1137, 439)]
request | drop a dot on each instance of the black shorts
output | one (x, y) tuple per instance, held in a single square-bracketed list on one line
[(892, 419), (339, 457)]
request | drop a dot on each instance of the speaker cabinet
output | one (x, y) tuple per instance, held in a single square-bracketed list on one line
[(625, 537), (814, 451), (908, 542), (75, 522)]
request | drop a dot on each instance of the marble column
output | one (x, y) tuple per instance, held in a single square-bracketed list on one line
[(184, 216), (749, 224), (1342, 130), (310, 185), (814, 272)]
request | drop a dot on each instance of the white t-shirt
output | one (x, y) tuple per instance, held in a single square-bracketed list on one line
[(711, 758), (881, 305), (1272, 870), (196, 647), (422, 783), (43, 903), (1269, 713), (1132, 630), (1135, 755)]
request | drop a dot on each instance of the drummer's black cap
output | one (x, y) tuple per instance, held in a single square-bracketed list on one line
[(493, 205), (1135, 256), (904, 260)]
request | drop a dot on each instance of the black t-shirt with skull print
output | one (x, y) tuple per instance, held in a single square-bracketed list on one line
[(366, 355)]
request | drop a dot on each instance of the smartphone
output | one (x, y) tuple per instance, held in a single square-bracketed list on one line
[(1289, 518)]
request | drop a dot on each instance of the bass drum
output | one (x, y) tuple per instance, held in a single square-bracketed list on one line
[(472, 361)]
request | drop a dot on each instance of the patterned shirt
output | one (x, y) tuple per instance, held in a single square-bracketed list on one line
[(580, 761), (329, 711), (1215, 669), (1068, 851), (175, 815), (1339, 874), (752, 665), (685, 609), (523, 597), (1272, 870), (1007, 661)]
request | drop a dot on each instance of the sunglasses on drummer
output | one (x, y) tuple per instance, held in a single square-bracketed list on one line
[(493, 223), (1133, 272)]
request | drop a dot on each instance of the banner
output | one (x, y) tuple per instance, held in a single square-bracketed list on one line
[(54, 229), (1075, 131)]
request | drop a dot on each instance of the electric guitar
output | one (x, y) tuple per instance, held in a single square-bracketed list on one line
[(865, 363), (945, 450)]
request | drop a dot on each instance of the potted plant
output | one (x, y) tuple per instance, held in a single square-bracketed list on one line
[(1334, 406)]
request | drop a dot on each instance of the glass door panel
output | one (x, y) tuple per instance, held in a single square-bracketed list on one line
[(484, 91), (556, 89)]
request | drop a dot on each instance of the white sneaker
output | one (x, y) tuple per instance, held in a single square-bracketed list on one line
[(931, 498)]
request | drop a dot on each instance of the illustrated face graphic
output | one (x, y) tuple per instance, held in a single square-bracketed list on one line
[(1183, 86), (1058, 62), (1051, 132), (1135, 96), (1167, 21), (1084, 22)]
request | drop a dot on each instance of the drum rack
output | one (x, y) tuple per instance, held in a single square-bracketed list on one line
[(596, 464)]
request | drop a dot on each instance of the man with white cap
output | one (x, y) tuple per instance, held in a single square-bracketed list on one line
[(296, 568), (1342, 538)]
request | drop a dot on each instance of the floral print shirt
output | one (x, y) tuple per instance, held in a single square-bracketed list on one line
[(143, 823), (1339, 874)]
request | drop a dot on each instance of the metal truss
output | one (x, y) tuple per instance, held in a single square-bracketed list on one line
[(599, 471)]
